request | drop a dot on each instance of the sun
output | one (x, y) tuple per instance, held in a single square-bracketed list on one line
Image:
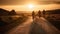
[(30, 6)]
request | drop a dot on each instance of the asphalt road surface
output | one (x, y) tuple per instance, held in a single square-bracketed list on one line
[(36, 26)]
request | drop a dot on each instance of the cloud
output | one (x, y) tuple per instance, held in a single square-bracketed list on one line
[(48, 2), (12, 2), (22, 2)]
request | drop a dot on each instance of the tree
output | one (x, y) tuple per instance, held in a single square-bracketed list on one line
[(12, 12)]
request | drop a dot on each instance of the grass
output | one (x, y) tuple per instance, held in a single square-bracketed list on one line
[(12, 23), (54, 21)]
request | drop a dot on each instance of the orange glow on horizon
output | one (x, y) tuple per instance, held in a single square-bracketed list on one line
[(30, 7)]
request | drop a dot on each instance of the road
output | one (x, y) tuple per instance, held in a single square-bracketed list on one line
[(38, 26)]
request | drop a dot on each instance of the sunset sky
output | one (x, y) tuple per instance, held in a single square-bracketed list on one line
[(29, 5)]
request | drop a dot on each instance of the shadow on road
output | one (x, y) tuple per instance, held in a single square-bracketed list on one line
[(36, 29)]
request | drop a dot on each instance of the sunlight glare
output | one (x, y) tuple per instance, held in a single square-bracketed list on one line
[(30, 6)]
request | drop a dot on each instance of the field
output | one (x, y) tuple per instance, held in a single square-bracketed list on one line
[(9, 22), (54, 19)]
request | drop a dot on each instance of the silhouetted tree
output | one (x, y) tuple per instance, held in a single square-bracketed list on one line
[(3, 12), (12, 12)]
